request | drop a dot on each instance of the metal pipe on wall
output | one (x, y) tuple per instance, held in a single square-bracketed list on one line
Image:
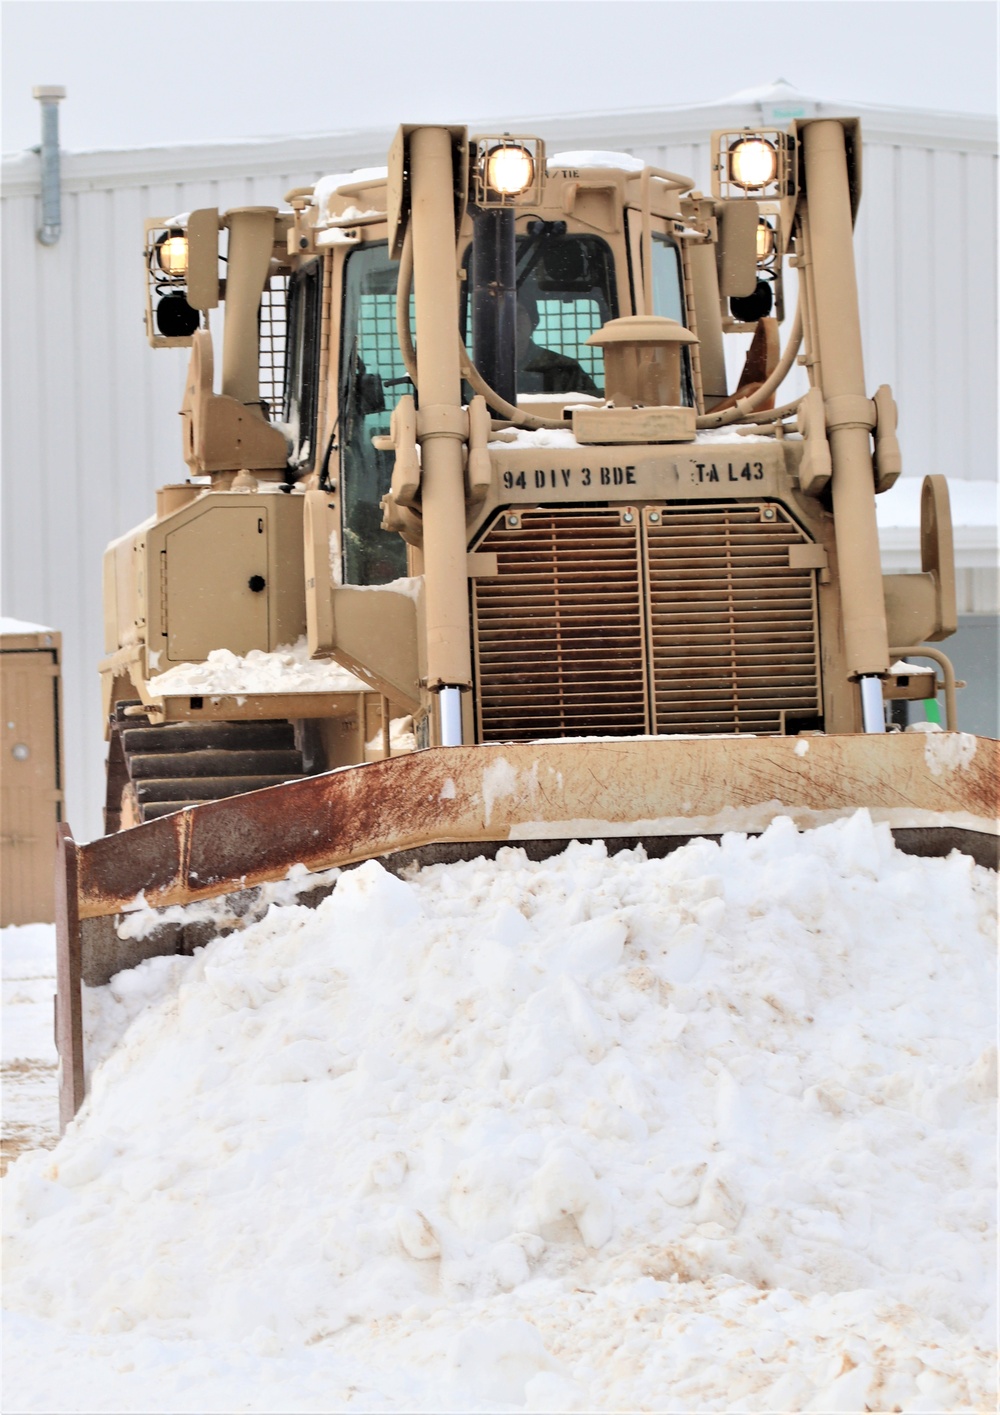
[(50, 96)]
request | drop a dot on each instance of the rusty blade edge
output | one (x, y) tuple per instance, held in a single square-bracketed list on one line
[(502, 791)]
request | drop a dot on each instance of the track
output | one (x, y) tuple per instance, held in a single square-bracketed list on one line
[(155, 770)]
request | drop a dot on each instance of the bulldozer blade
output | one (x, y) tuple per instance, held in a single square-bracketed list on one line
[(937, 792)]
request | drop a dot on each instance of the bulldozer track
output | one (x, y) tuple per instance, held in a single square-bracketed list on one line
[(155, 770)]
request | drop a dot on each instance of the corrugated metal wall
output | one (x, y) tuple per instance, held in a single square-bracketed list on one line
[(90, 423)]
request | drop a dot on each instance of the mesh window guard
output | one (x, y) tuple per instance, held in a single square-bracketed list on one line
[(273, 332), (565, 326)]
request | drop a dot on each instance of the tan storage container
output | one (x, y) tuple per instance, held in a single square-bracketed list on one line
[(31, 770)]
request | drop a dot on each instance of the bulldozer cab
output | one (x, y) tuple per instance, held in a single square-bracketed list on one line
[(579, 257)]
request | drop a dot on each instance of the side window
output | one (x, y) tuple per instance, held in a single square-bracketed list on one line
[(302, 364), (667, 279), (272, 326), (668, 300), (372, 378)]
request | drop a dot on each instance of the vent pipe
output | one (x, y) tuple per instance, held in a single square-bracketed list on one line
[(49, 96)]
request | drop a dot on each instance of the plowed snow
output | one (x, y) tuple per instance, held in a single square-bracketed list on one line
[(711, 1132)]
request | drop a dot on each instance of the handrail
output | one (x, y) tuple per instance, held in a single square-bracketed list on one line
[(948, 671)]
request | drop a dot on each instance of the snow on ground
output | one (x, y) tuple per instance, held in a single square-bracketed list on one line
[(288, 669), (30, 1101), (712, 1132)]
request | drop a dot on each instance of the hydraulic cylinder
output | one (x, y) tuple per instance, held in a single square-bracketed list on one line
[(441, 423), (849, 413)]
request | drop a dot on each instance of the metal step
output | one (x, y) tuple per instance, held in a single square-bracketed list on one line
[(283, 763), (195, 736), (205, 788), (154, 809), (157, 769)]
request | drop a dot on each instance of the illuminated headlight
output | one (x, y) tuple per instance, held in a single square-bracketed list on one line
[(753, 163), (172, 254), (509, 170), (765, 240)]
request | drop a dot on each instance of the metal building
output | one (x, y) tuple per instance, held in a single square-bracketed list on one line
[(90, 423)]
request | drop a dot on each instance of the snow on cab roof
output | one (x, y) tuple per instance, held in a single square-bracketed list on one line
[(623, 161), (330, 185)]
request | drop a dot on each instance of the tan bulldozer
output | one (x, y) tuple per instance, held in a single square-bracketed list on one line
[(474, 450)]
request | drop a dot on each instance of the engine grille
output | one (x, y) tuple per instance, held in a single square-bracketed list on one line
[(559, 632), (732, 626), (679, 619)]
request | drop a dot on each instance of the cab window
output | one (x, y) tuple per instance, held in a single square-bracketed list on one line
[(372, 379), (668, 300), (565, 292), (667, 279), (302, 365)]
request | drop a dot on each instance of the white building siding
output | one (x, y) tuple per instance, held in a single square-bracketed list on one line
[(90, 425)]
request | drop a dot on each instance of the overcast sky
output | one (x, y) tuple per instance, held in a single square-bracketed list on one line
[(142, 72)]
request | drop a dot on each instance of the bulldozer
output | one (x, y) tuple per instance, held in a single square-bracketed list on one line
[(475, 446)]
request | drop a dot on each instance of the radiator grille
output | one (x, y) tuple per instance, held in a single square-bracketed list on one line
[(732, 627), (681, 619), (559, 633)]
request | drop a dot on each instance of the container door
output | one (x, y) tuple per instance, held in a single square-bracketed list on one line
[(29, 786)]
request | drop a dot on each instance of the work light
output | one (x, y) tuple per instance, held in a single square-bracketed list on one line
[(753, 163), (172, 254), (510, 170), (765, 240)]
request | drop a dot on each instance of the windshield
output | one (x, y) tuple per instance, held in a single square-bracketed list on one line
[(565, 292)]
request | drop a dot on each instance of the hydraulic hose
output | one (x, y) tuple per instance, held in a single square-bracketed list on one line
[(747, 405), (517, 416), (404, 283)]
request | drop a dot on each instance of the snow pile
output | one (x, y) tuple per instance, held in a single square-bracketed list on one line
[(708, 1132), (287, 669), (534, 437), (411, 586), (326, 189), (402, 739), (30, 1108), (622, 161), (564, 438), (22, 626)]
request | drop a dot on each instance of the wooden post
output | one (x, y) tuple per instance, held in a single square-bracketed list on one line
[(69, 1001)]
